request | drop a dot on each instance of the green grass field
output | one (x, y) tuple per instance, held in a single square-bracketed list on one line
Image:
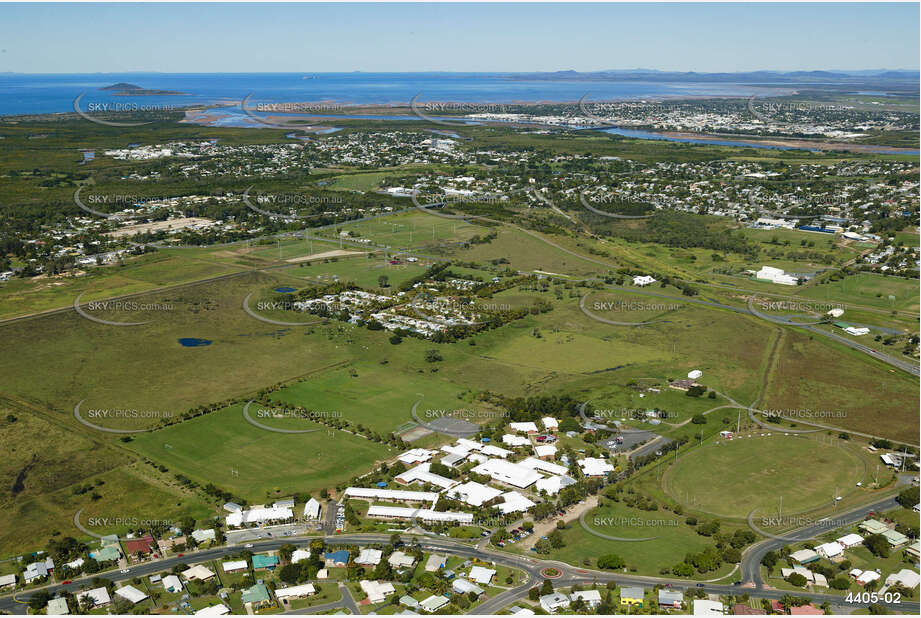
[(731, 478), (672, 539), (254, 463)]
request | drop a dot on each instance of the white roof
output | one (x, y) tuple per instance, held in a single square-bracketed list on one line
[(295, 591), (7, 580), (171, 582), (299, 555), (705, 607), (233, 565), (550, 422), (507, 472), (803, 554), (481, 575), (421, 473), (259, 515), (589, 596), (198, 572), (544, 466), (830, 550), (376, 591), (592, 466), (868, 576), (369, 556), (405, 512), (131, 593), (525, 427), (851, 539), (474, 493), (100, 596), (513, 440), (391, 494), (416, 455), (213, 610), (552, 485), (312, 509), (514, 502), (496, 451), (203, 535), (73, 564), (695, 374), (463, 586), (433, 603), (905, 577), (400, 559), (545, 450), (57, 607)]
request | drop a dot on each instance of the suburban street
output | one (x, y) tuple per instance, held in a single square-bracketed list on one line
[(570, 575)]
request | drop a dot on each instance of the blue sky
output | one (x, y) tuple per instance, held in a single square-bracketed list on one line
[(85, 38)]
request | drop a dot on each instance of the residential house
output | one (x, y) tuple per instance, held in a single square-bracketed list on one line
[(295, 592), (591, 598), (550, 603), (131, 594), (632, 596), (57, 607), (257, 595)]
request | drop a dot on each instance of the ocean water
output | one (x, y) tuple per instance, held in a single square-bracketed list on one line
[(43, 94)]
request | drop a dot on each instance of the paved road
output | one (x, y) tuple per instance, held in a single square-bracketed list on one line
[(531, 566), (751, 558)]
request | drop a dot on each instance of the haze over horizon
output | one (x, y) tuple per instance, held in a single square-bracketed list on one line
[(247, 38)]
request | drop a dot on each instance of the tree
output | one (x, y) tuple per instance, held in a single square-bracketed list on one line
[(383, 281), (546, 587), (432, 356), (877, 544), (699, 419), (797, 580), (909, 497), (556, 539), (611, 561), (39, 600)]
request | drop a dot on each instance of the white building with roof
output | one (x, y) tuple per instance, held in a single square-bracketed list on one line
[(775, 275), (830, 550), (234, 566), (213, 610), (474, 494), (259, 515), (416, 456), (405, 512), (400, 560), (421, 474), (514, 503), (312, 509), (592, 466), (57, 607), (295, 592), (544, 466), (513, 440), (706, 607), (550, 423), (591, 598), (299, 555), (481, 575), (545, 450), (377, 591), (368, 556), (507, 472), (525, 427), (98, 596), (131, 594), (172, 583), (850, 540), (395, 495), (495, 451)]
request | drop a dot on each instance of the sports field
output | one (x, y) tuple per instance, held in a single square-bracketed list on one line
[(257, 464), (731, 478)]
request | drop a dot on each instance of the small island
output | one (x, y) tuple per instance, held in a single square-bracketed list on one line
[(123, 89)]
